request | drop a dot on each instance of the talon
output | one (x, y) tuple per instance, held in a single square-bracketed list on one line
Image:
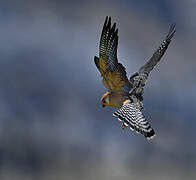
[(123, 126)]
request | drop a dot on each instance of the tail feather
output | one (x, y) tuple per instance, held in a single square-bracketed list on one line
[(130, 114)]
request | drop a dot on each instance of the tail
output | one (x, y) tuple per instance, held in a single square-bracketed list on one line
[(132, 116)]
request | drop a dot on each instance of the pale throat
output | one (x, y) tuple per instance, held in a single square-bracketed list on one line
[(107, 99)]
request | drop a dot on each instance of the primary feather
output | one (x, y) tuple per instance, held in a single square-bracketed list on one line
[(113, 73)]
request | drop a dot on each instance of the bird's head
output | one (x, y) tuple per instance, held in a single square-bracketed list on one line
[(105, 99)]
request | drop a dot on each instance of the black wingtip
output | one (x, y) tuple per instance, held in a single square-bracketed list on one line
[(109, 23), (96, 60), (114, 27), (106, 21), (172, 31), (116, 32)]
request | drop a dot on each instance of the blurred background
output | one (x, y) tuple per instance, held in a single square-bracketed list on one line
[(52, 125)]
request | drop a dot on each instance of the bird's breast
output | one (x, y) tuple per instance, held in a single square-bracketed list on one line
[(117, 100)]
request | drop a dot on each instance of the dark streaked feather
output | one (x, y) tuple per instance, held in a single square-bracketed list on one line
[(108, 44), (113, 73)]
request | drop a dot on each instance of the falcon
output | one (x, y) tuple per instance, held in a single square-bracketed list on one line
[(123, 93)]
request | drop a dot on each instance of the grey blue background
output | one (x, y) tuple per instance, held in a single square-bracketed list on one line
[(52, 125)]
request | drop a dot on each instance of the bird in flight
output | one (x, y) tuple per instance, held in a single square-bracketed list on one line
[(123, 93)]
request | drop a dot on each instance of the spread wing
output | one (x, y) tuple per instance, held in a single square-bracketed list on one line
[(113, 73), (139, 78), (132, 116), (150, 64)]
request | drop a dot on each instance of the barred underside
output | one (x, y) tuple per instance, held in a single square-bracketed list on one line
[(132, 116)]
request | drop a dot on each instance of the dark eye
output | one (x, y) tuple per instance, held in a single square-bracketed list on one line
[(103, 101)]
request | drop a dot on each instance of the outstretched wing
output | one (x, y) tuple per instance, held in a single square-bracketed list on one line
[(139, 78), (108, 44), (113, 73), (132, 116), (150, 64)]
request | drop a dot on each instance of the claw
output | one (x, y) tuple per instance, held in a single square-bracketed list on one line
[(123, 125)]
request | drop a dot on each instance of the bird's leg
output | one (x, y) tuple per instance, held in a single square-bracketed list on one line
[(123, 126)]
